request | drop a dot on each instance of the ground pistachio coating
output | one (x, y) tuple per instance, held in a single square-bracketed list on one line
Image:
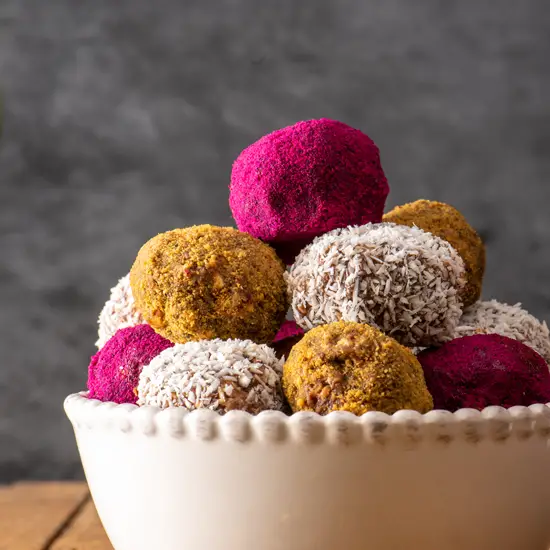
[(348, 366), (446, 222), (206, 282)]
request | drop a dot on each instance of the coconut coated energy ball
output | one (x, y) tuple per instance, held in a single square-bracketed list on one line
[(402, 280), (448, 223), (353, 367), (207, 282), (113, 373), (118, 312), (492, 317), (220, 375), (304, 180), (483, 370)]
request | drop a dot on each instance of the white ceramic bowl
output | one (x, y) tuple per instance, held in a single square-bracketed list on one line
[(174, 480)]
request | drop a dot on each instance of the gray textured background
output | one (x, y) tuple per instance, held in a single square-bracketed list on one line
[(123, 118)]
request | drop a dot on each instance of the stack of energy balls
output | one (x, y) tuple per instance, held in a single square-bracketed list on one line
[(386, 309)]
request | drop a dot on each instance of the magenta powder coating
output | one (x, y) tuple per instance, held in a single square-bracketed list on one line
[(113, 373), (304, 180), (483, 370), (288, 330)]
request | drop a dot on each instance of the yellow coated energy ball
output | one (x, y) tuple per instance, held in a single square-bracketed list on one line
[(446, 222), (347, 366), (205, 282)]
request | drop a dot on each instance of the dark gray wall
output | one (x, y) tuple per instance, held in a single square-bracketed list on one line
[(123, 118)]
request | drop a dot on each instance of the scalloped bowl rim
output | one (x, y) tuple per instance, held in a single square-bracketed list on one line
[(76, 403), (177, 448)]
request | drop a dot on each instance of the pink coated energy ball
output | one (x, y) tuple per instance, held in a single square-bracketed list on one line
[(288, 336), (113, 373), (483, 370), (288, 329), (304, 180)]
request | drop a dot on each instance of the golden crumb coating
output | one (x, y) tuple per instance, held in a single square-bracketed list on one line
[(446, 222), (205, 282), (347, 366)]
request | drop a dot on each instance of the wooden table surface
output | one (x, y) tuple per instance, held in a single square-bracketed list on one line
[(49, 516)]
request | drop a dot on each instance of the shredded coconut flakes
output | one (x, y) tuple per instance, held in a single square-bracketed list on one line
[(400, 279), (220, 375), (493, 317), (118, 312)]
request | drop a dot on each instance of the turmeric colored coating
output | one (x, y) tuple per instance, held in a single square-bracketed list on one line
[(446, 222), (347, 366), (205, 282)]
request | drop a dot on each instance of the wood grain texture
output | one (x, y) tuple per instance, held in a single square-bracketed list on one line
[(84, 533), (32, 515), (50, 516)]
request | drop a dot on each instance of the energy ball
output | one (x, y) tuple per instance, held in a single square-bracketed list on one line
[(492, 317), (288, 330), (402, 280), (448, 223), (221, 375), (207, 282), (304, 180), (353, 367), (283, 347), (289, 334), (483, 370), (113, 373), (118, 312)]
